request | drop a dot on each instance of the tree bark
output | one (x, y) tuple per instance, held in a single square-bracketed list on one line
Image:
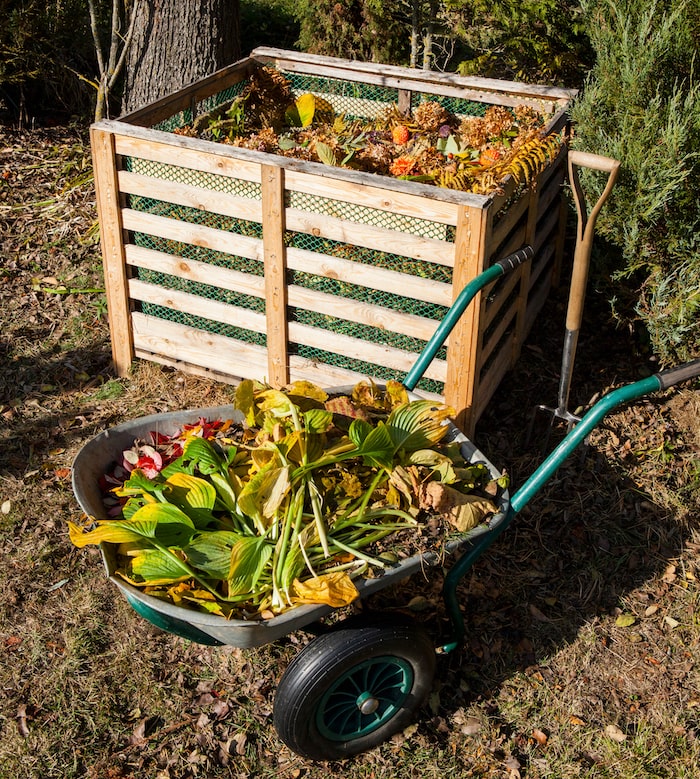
[(176, 43)]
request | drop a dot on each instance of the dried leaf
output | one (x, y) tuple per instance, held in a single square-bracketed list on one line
[(614, 733), (21, 715), (540, 737), (625, 620), (335, 589), (462, 511)]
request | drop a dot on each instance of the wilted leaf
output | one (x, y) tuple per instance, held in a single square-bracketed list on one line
[(244, 400), (335, 589), (418, 425), (625, 620), (325, 153), (462, 511), (614, 733), (540, 737)]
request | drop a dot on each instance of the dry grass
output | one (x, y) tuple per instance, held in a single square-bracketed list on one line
[(548, 683)]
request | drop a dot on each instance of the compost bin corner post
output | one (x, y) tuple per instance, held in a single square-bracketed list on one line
[(112, 240), (462, 384)]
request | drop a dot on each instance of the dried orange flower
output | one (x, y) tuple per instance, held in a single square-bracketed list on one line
[(403, 166)]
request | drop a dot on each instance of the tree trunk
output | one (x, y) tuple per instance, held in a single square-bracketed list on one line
[(176, 43)]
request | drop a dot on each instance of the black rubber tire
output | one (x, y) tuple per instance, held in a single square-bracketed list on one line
[(384, 663)]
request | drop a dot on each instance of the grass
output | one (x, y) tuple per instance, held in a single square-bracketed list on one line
[(92, 691)]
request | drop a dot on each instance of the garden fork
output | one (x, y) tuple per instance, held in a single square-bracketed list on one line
[(579, 275)]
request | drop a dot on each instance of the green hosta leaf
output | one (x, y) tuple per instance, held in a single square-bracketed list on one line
[(417, 425), (203, 455), (317, 420), (224, 491), (137, 484), (157, 567), (359, 430), (160, 522), (211, 552), (249, 557), (378, 447), (190, 491), (195, 496)]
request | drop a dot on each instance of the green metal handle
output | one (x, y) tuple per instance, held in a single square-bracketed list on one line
[(465, 297)]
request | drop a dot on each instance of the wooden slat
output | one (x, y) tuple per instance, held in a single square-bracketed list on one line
[(197, 347), (182, 152), (301, 369), (195, 270), (273, 213), (355, 348), (503, 224), (545, 227), (505, 322), (494, 305), (405, 78), (196, 305), (190, 196), (190, 149), (189, 96), (372, 197), (377, 238), (382, 279), (112, 242), (197, 235), (489, 380)]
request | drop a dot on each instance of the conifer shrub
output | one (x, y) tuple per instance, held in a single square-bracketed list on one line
[(641, 105)]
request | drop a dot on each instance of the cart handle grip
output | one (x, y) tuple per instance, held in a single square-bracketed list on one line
[(465, 297), (667, 378)]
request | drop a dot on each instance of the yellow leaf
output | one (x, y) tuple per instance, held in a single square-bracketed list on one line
[(335, 589), (625, 620), (306, 107)]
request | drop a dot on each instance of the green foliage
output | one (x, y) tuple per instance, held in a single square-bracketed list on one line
[(268, 23), (531, 40), (354, 29), (641, 105), (42, 44)]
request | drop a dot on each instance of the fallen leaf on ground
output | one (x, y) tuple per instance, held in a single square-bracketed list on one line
[(613, 732)]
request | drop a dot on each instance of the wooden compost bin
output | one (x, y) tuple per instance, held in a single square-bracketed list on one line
[(242, 264)]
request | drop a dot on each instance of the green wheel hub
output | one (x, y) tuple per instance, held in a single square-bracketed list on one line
[(364, 698)]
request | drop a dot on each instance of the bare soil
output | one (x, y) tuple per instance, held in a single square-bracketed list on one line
[(583, 637)]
